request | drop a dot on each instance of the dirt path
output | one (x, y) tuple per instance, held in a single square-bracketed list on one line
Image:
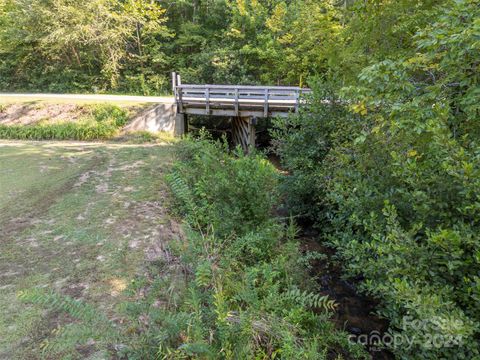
[(78, 222)]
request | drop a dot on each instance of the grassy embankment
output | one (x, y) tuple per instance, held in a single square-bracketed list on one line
[(69, 119), (78, 222)]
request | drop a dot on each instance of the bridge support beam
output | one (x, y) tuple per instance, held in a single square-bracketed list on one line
[(243, 132), (181, 124)]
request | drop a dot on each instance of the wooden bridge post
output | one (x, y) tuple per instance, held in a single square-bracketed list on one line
[(181, 118), (243, 132)]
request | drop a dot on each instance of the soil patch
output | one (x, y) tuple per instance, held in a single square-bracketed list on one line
[(31, 113)]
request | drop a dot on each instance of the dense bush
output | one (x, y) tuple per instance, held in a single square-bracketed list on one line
[(101, 122), (247, 293), (225, 194), (305, 139), (397, 190)]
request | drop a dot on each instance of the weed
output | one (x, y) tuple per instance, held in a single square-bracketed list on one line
[(246, 293), (143, 136), (101, 122)]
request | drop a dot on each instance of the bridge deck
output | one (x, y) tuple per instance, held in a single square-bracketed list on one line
[(238, 100)]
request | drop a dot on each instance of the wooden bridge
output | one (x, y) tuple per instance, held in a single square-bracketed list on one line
[(242, 104)]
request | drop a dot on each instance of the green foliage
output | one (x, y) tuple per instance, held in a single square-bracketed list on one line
[(60, 45), (101, 122), (225, 194), (311, 300), (112, 114), (61, 131), (247, 293), (375, 30), (395, 183), (132, 46), (304, 140), (384, 159)]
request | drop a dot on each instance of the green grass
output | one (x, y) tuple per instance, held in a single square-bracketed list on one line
[(61, 131), (75, 222), (144, 136), (101, 122)]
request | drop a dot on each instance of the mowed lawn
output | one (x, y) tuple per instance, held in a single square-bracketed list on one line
[(78, 222)]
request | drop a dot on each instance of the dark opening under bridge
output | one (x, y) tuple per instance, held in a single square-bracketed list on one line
[(242, 104)]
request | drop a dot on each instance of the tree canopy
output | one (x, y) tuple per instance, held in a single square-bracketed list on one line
[(131, 46)]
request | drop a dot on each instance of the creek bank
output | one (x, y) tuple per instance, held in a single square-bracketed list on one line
[(355, 312)]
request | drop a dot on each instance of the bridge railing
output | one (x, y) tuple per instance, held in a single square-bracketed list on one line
[(238, 100)]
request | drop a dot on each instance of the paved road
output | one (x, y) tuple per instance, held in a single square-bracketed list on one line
[(93, 97)]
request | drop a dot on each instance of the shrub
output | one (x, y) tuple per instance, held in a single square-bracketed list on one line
[(303, 141), (247, 294), (225, 194), (401, 198), (109, 114)]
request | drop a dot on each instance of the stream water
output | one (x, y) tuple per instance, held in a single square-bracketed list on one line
[(355, 312)]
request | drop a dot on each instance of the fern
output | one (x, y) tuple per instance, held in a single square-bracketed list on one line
[(311, 300), (92, 325), (181, 191), (66, 304), (203, 275), (238, 310)]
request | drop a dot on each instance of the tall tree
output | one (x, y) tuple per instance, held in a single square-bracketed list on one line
[(75, 40)]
